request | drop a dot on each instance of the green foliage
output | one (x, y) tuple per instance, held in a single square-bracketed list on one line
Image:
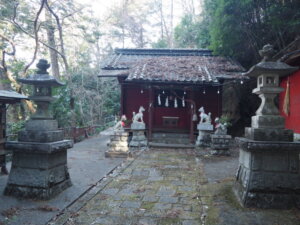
[(191, 33), (239, 28), (224, 119), (161, 43), (86, 100), (14, 128)]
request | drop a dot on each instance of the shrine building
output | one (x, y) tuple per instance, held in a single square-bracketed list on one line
[(6, 97), (289, 99), (171, 84)]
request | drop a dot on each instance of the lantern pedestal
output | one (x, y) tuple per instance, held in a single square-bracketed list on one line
[(39, 170), (268, 174)]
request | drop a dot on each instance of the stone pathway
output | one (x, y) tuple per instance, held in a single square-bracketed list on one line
[(158, 187)]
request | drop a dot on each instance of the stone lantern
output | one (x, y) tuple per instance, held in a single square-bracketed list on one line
[(269, 173), (39, 167)]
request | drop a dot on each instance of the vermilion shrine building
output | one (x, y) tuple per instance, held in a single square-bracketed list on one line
[(171, 84), (291, 56)]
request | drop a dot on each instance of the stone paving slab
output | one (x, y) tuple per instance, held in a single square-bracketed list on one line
[(133, 197)]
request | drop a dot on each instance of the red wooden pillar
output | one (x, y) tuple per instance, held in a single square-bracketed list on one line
[(191, 117), (122, 99), (151, 107)]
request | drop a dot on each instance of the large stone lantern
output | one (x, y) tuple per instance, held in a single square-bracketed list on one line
[(269, 173), (39, 167)]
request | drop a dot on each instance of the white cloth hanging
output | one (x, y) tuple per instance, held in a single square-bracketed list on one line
[(183, 102), (158, 99), (175, 103), (167, 102)]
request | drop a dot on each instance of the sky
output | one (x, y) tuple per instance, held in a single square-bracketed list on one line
[(101, 8)]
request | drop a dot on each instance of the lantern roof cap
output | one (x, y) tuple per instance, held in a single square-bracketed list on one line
[(267, 66), (41, 77)]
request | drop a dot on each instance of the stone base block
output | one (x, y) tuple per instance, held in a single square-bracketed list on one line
[(220, 152), (41, 125), (138, 126), (119, 148), (39, 148), (266, 200), (35, 192), (205, 127), (268, 174), (118, 144), (138, 139), (203, 139), (268, 121), (270, 134), (220, 142), (39, 170), (138, 143), (40, 136)]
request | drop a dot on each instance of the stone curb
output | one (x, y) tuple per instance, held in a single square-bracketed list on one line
[(64, 216)]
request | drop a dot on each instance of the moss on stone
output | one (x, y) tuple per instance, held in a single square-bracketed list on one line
[(169, 221), (147, 205)]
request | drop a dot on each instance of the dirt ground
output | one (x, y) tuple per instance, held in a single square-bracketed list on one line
[(224, 208)]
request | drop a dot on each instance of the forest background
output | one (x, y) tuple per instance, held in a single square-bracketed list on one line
[(75, 37)]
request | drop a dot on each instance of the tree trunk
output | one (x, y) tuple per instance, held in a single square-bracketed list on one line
[(51, 42), (171, 24)]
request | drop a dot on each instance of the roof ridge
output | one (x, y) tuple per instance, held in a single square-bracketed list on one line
[(163, 51)]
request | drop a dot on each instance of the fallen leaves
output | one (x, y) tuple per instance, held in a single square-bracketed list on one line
[(174, 213), (47, 208), (139, 190), (9, 213)]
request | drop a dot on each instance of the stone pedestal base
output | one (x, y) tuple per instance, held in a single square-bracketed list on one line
[(138, 139), (269, 134), (39, 170), (220, 144), (203, 139), (268, 174), (118, 146)]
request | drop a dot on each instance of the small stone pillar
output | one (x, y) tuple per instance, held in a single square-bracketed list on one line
[(118, 145), (220, 141), (203, 139), (205, 128), (139, 139), (39, 166), (269, 168), (138, 129)]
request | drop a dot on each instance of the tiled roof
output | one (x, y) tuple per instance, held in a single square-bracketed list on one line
[(11, 95), (170, 65)]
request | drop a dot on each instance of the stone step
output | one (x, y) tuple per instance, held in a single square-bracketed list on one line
[(164, 145), (171, 140), (170, 135)]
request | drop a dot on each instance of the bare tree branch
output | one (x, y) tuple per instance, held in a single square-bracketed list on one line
[(27, 33), (36, 28), (4, 52), (62, 48)]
